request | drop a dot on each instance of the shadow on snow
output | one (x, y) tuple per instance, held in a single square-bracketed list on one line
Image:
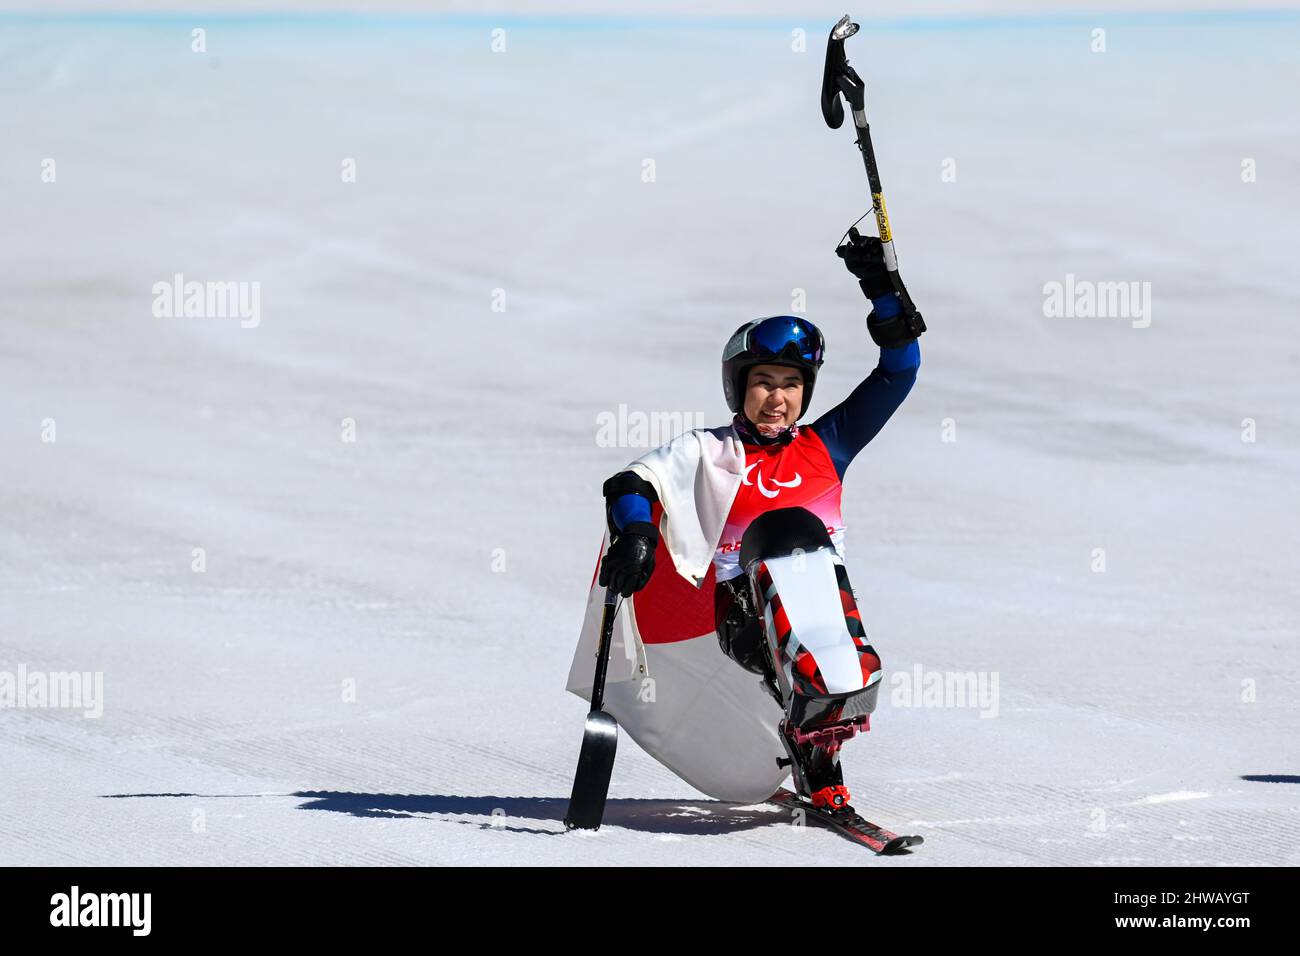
[(684, 817)]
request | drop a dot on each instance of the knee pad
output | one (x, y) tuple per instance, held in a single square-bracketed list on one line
[(740, 634)]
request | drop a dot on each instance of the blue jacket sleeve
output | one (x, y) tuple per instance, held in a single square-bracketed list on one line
[(628, 508), (846, 428)]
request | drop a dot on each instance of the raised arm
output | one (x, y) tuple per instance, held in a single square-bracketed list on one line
[(846, 428), (849, 426)]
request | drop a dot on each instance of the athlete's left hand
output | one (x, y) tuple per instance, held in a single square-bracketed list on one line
[(864, 256)]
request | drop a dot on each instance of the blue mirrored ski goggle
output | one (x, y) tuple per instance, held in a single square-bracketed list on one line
[(772, 337)]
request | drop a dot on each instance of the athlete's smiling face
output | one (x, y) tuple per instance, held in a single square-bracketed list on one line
[(773, 397)]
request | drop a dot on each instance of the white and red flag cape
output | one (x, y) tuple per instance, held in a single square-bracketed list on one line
[(669, 685)]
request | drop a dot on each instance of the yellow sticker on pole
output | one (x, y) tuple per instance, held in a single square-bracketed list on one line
[(882, 217)]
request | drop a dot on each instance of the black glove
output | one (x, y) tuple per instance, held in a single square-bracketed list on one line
[(865, 258), (630, 561)]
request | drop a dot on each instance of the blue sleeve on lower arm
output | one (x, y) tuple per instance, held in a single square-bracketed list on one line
[(906, 356), (629, 508), (887, 306), (901, 358)]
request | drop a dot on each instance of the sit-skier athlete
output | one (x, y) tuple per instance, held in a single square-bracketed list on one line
[(769, 368)]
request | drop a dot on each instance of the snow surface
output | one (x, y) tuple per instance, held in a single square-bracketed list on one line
[(439, 563)]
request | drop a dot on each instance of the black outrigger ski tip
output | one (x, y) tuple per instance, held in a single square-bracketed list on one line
[(595, 767), (599, 739), (838, 77)]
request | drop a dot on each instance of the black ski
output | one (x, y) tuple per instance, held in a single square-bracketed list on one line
[(852, 825)]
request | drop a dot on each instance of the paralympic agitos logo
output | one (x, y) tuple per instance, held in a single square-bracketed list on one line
[(762, 489)]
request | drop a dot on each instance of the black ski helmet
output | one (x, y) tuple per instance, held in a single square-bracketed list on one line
[(778, 340)]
